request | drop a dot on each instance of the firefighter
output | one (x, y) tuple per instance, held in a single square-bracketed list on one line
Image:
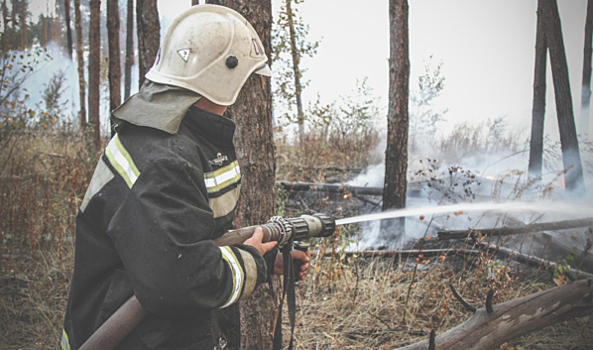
[(166, 186)]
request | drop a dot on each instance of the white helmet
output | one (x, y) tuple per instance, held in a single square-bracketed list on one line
[(211, 50)]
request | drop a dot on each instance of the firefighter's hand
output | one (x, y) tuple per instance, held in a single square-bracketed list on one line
[(304, 257), (255, 241)]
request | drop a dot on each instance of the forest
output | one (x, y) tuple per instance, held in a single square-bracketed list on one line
[(479, 237)]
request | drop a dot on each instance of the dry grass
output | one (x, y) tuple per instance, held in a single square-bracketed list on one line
[(355, 304), (320, 155), (365, 307), (43, 178)]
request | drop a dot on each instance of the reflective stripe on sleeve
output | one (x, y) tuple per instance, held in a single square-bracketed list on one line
[(223, 177), (101, 177), (224, 204), (237, 271), (121, 160), (250, 273), (65, 343)]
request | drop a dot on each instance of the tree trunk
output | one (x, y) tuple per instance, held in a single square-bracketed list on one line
[(255, 150), (114, 54), (68, 27), (487, 330), (586, 93), (396, 154), (539, 96), (24, 8), (129, 49), (506, 231), (80, 58), (15, 41), (149, 37), (94, 70), (7, 35), (298, 88), (571, 157)]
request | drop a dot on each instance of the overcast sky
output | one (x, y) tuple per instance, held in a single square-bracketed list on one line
[(486, 48)]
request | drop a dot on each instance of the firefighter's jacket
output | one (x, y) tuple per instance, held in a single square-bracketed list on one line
[(146, 227)]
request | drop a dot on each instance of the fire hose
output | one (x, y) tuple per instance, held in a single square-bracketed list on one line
[(279, 229)]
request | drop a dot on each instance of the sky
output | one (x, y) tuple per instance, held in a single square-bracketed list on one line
[(487, 51)]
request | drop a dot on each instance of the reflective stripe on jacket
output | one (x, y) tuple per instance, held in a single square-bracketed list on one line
[(146, 227)]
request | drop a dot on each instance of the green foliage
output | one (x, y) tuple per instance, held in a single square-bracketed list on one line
[(423, 116), (52, 95), (287, 57), (358, 113)]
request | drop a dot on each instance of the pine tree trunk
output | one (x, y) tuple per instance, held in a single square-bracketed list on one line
[(15, 37), (114, 54), (129, 49), (7, 36), (68, 27), (149, 37), (80, 59), (24, 8), (571, 157), (94, 70), (255, 150), (586, 93), (539, 96), (396, 154)]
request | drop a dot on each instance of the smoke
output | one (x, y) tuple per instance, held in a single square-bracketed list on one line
[(477, 163)]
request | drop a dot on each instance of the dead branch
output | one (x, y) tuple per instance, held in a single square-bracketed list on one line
[(489, 297), (505, 231), (407, 253), (463, 302), (516, 317), (332, 188), (530, 260)]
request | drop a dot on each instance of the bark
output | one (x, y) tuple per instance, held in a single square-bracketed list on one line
[(94, 70), (7, 35), (511, 319), (396, 154), (505, 231), (15, 41), (24, 7), (80, 58), (539, 96), (68, 27), (149, 37), (571, 157), (255, 150), (114, 54), (586, 93), (129, 49)]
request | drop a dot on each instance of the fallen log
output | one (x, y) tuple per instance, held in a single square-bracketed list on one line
[(511, 319), (529, 260), (505, 231), (405, 253), (332, 188)]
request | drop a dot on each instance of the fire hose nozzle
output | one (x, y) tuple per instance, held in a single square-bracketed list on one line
[(316, 225)]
